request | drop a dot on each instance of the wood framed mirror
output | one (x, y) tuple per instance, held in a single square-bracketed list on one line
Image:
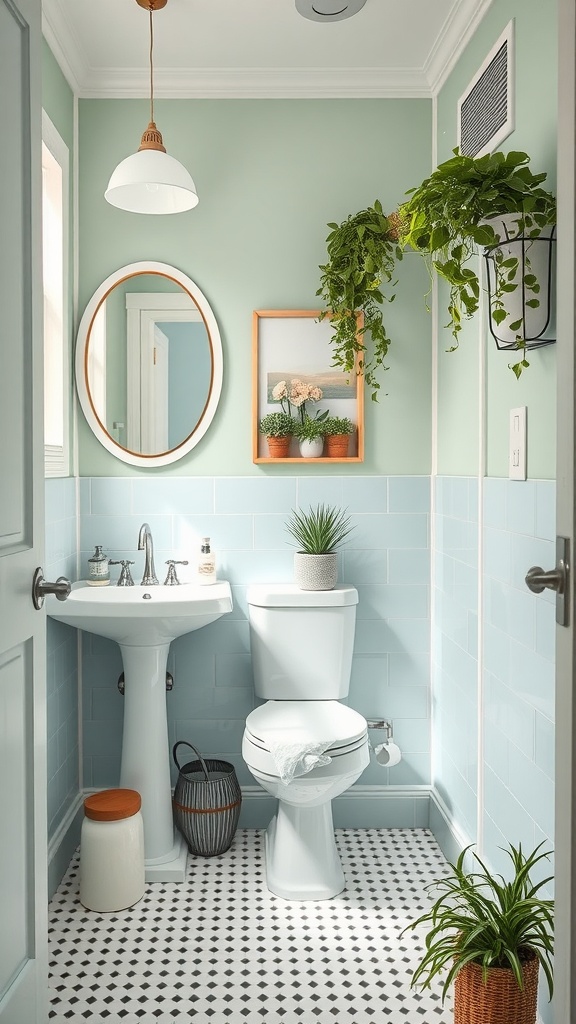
[(148, 364)]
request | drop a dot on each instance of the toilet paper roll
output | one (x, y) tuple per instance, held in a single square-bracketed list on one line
[(388, 754)]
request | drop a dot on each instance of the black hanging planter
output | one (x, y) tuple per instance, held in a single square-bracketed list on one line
[(534, 256)]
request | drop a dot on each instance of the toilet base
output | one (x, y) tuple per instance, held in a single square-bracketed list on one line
[(302, 861)]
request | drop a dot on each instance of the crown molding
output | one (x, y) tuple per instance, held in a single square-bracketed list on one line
[(458, 29), (256, 83), (65, 47)]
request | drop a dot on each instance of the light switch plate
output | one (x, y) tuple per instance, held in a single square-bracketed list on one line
[(517, 444)]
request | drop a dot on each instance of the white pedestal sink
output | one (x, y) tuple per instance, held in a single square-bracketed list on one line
[(144, 621)]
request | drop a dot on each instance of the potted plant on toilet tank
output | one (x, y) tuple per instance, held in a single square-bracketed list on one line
[(318, 533), (492, 936)]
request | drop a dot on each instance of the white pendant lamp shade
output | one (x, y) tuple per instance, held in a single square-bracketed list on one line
[(150, 181)]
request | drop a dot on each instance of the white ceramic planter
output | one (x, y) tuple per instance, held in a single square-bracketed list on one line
[(312, 449), (536, 255), (316, 572)]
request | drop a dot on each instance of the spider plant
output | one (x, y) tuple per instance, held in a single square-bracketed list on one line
[(319, 530), (480, 918)]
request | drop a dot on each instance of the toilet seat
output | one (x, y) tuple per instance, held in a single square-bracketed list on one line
[(343, 727)]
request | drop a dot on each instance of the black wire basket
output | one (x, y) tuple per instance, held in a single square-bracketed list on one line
[(206, 803)]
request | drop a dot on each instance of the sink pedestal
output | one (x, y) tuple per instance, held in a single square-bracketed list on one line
[(146, 759)]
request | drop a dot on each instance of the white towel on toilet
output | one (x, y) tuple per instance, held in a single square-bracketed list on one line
[(294, 758)]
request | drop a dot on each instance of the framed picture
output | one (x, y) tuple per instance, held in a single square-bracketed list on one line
[(293, 375)]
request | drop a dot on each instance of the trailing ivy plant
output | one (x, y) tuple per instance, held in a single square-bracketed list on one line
[(444, 220), (362, 253)]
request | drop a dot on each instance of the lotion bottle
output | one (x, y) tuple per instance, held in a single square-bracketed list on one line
[(206, 564), (98, 569)]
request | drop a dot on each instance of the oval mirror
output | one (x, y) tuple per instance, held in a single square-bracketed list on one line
[(148, 364)]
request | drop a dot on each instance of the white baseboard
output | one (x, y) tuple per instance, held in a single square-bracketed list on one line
[(63, 843)]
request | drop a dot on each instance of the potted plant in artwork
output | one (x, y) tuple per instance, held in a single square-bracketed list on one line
[(491, 936), (318, 532), (362, 255), (494, 202), (337, 431), (310, 434), (279, 429)]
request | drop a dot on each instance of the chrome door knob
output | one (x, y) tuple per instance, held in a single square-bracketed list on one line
[(41, 588), (537, 580)]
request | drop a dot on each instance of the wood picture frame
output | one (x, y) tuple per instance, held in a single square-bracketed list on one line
[(290, 344)]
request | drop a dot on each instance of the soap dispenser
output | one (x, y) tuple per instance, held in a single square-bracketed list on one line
[(98, 569), (206, 563)]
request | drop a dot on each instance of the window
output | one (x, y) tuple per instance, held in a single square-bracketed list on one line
[(55, 244)]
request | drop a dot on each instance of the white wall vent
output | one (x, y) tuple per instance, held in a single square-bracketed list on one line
[(486, 109)]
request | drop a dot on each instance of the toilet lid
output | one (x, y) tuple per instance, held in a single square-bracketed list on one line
[(302, 720)]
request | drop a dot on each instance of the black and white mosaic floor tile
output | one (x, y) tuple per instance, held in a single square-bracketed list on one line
[(223, 948)]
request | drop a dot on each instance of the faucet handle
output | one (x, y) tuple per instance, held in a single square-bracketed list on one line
[(172, 579), (125, 579)]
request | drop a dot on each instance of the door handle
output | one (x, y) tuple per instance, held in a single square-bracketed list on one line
[(555, 579), (41, 588)]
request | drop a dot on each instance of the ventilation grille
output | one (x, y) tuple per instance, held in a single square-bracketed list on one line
[(485, 111)]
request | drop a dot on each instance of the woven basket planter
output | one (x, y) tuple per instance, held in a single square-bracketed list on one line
[(207, 800), (499, 1001), (337, 445)]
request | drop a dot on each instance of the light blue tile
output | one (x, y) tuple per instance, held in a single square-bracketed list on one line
[(510, 713), (119, 533), (270, 532), (368, 684), (312, 491), (365, 566), (496, 651), (411, 735), (405, 702), (171, 495), (254, 494), (545, 739), (458, 664), (216, 737), (409, 669), (111, 496), (533, 789), (498, 554), (406, 566), (245, 567), (459, 506), (546, 629), (494, 501), (546, 509), (389, 530), (396, 636), (365, 493), (102, 738), (532, 678), (413, 770), (226, 533), (496, 751), (521, 507), (388, 601), (85, 496), (55, 501), (408, 494), (234, 670), (509, 814), (473, 498)]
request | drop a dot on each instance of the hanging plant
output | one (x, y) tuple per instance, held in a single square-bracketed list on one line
[(447, 218), (362, 253)]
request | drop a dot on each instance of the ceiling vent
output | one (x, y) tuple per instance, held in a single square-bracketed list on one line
[(328, 10), (486, 110)]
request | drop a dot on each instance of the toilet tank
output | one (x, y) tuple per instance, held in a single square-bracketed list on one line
[(301, 641)]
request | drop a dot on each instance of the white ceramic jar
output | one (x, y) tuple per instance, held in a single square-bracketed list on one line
[(112, 851)]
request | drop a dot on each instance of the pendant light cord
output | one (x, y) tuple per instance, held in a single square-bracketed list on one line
[(151, 65)]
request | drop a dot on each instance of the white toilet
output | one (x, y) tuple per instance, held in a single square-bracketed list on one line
[(301, 643)]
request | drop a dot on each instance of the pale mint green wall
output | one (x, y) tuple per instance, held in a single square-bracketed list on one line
[(535, 133), (270, 175)]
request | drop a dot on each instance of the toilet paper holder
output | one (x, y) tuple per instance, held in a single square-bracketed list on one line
[(387, 753), (382, 724)]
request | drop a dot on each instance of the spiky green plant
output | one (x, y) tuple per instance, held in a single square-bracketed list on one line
[(481, 918), (319, 530)]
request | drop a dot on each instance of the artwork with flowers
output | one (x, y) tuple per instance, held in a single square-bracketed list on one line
[(293, 379)]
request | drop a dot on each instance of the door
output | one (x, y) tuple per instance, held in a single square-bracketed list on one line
[(23, 900), (565, 859)]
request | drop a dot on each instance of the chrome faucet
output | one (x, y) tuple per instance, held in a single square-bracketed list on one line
[(145, 543)]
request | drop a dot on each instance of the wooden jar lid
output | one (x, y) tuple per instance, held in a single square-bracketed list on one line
[(112, 804)]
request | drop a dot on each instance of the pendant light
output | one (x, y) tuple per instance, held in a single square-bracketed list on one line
[(150, 181)]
